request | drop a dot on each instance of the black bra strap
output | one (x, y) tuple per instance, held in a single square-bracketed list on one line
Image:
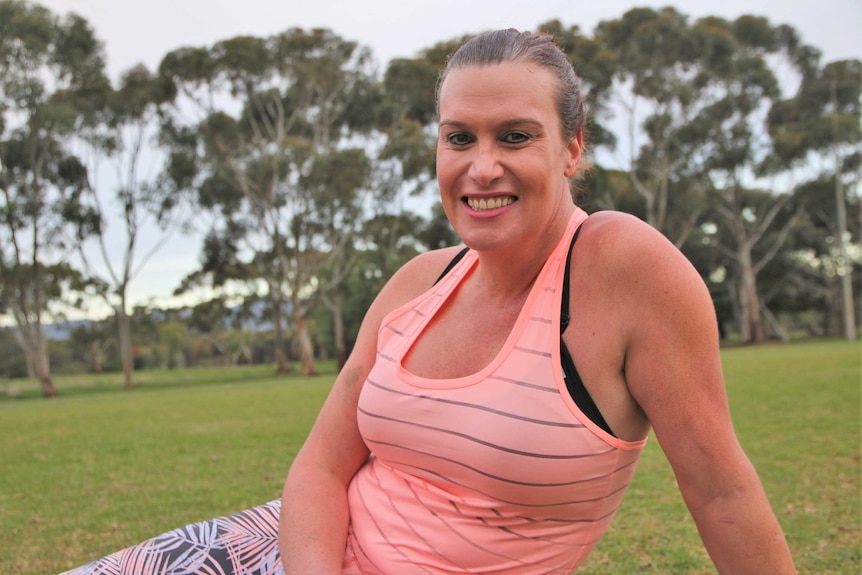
[(564, 315), (574, 383), (451, 265)]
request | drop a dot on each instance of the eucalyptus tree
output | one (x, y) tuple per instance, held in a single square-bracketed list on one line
[(407, 118), (51, 81), (266, 112), (801, 286), (818, 130), (660, 84), (333, 182), (405, 216), (728, 141), (403, 170), (707, 87), (134, 218), (596, 65), (747, 246)]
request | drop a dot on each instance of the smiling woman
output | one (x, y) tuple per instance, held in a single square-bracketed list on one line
[(498, 397), (503, 161)]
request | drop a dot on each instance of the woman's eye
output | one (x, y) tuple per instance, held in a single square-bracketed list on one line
[(516, 137), (459, 138)]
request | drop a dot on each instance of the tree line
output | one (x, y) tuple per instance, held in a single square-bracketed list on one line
[(298, 164)]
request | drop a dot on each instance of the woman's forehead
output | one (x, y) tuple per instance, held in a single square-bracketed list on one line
[(509, 71), (509, 85)]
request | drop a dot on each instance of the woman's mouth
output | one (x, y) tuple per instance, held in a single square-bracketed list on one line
[(486, 204)]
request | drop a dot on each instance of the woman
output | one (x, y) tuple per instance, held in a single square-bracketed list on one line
[(452, 442), (491, 414)]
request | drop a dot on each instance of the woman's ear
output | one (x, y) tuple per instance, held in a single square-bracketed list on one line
[(573, 149)]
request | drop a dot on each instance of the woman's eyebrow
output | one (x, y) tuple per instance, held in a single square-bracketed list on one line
[(506, 123)]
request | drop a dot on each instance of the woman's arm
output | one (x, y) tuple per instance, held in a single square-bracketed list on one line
[(673, 371), (312, 529), (314, 512)]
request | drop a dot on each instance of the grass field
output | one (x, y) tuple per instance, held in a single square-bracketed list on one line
[(100, 468)]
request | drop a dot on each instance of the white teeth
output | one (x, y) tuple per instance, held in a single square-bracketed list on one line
[(485, 204)]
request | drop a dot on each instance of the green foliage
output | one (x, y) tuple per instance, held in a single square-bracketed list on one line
[(595, 63), (408, 142), (409, 85), (52, 84), (297, 156), (823, 116)]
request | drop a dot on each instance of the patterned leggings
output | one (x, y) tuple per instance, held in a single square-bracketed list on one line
[(245, 543)]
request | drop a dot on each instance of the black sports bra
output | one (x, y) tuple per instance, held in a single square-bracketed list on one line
[(574, 383)]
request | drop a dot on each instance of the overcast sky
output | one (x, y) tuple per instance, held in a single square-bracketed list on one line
[(144, 31)]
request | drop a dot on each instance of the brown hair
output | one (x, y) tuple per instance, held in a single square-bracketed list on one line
[(539, 48)]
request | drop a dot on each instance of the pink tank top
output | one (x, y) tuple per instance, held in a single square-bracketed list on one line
[(497, 472)]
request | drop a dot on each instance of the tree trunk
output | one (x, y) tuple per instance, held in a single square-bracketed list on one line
[(47, 384), (281, 364), (845, 266), (338, 330), (246, 350), (32, 342), (44, 370), (42, 360), (96, 357), (751, 327), (29, 355), (125, 332), (306, 348)]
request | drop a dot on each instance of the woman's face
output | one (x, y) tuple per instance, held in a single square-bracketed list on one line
[(502, 163)]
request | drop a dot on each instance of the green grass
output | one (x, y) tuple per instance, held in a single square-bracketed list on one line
[(797, 410), (100, 468)]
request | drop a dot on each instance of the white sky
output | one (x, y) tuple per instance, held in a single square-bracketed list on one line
[(144, 31)]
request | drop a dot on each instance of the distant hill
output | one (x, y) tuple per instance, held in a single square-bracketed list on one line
[(62, 330)]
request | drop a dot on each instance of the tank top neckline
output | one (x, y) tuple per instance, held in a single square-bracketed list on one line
[(447, 286)]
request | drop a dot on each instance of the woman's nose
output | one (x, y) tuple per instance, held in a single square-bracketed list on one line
[(485, 166)]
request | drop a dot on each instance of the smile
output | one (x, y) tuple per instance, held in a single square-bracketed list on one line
[(485, 204)]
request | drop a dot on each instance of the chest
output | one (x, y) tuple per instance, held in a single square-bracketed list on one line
[(463, 338), (493, 429)]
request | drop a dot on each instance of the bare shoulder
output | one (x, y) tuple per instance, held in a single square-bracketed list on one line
[(410, 281), (630, 255), (415, 277), (641, 283), (622, 234)]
